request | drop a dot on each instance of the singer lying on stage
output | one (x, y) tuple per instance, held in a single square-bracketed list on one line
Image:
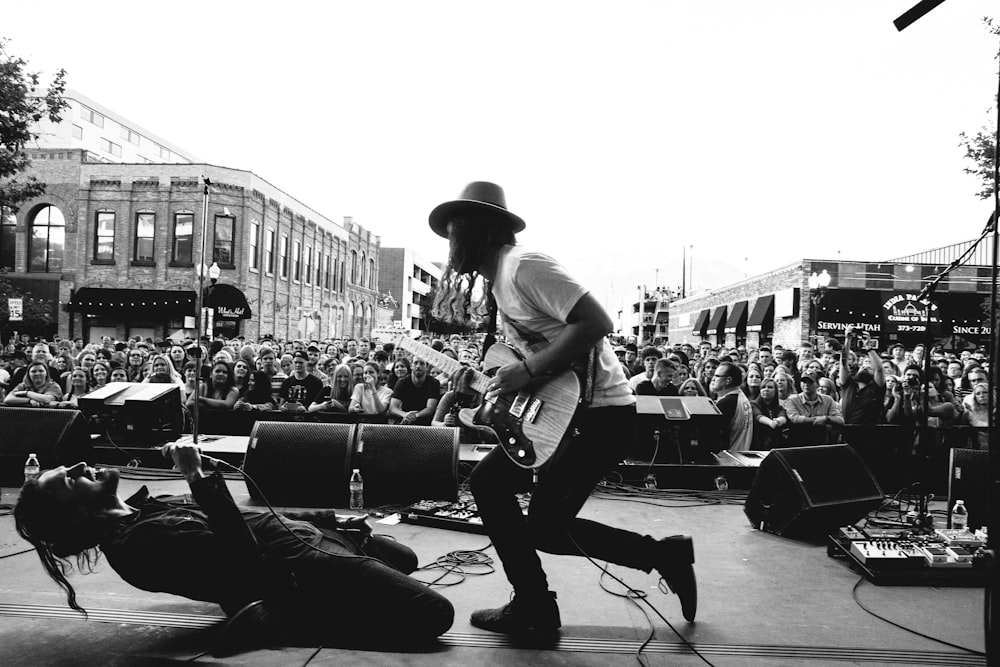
[(319, 579)]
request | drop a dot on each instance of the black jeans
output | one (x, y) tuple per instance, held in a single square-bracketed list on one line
[(342, 597), (564, 484)]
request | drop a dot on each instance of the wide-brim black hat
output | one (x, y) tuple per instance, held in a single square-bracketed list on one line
[(485, 200)]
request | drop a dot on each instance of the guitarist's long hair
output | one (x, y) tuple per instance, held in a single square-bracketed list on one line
[(464, 296)]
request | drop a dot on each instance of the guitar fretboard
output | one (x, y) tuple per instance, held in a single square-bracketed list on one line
[(480, 381)]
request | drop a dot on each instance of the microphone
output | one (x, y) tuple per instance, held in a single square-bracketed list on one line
[(205, 460)]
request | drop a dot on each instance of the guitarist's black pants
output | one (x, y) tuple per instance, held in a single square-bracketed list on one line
[(564, 484)]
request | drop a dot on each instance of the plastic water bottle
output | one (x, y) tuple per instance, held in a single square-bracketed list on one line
[(959, 515), (357, 490), (31, 467)]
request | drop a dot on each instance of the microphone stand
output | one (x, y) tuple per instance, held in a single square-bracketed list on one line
[(200, 320)]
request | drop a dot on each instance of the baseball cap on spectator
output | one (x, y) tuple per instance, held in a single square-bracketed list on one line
[(620, 349), (811, 376), (312, 348), (300, 355)]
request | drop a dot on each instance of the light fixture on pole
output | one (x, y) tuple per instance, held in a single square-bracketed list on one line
[(818, 285)]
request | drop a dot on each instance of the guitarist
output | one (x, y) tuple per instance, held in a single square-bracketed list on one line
[(555, 323)]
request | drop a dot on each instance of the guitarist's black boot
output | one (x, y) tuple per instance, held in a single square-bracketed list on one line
[(535, 615), (674, 561)]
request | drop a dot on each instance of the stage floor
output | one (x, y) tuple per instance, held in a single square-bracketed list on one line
[(764, 600)]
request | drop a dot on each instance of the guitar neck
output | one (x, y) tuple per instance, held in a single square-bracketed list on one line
[(443, 361)]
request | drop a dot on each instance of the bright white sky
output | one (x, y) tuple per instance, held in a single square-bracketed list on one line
[(758, 132)]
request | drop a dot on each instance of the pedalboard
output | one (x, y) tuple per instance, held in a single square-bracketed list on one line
[(900, 556)]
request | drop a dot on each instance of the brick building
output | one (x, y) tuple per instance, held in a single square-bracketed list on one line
[(779, 308), (116, 248)]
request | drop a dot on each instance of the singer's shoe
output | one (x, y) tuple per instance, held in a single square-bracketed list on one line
[(675, 563), (536, 615), (252, 627)]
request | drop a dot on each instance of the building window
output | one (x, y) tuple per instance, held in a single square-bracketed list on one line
[(104, 237), (145, 228), (130, 136), (92, 116), (77, 132), (343, 274), (309, 265), (354, 267), (269, 252), (164, 153), (296, 260), (371, 274), (48, 238), (319, 268), (326, 278), (8, 224), (111, 147), (183, 238), (222, 250), (283, 256), (254, 239)]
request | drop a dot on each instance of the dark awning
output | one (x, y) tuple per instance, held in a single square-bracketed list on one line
[(228, 302), (715, 325), (762, 315), (701, 323), (663, 316), (132, 302), (737, 318)]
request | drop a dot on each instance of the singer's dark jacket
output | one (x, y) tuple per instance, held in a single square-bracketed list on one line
[(209, 550), (213, 551)]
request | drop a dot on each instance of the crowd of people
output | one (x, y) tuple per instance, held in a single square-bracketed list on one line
[(759, 391), (762, 391)]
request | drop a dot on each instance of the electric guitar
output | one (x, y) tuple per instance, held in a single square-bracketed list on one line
[(530, 424)]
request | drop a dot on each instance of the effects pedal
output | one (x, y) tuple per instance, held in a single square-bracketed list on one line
[(852, 533), (959, 538), (882, 553)]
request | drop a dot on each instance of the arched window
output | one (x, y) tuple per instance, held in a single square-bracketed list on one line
[(371, 274), (362, 267), (350, 318), (48, 239), (354, 267)]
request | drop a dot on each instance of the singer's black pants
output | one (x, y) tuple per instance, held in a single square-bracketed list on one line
[(564, 483)]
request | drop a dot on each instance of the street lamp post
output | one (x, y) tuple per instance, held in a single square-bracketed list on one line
[(818, 285)]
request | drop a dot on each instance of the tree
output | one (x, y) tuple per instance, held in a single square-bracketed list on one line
[(36, 318), (21, 109), (981, 148)]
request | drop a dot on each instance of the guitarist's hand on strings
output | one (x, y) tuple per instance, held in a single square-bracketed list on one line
[(508, 379)]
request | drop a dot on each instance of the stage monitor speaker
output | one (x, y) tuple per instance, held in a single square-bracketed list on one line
[(403, 464), (969, 480), (59, 437), (300, 464), (810, 491)]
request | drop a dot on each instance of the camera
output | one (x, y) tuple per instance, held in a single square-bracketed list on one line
[(913, 382)]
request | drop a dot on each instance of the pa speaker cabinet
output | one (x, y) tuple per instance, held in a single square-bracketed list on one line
[(59, 437), (969, 480), (300, 464), (808, 491), (403, 464)]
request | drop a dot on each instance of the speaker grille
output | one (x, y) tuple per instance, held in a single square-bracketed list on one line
[(403, 464), (59, 437), (300, 464)]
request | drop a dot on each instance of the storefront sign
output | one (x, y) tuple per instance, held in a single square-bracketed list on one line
[(906, 313)]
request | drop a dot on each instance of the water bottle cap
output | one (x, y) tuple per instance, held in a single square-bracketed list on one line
[(357, 470), (31, 455)]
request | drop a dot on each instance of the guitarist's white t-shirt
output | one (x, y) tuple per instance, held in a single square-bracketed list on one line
[(535, 295)]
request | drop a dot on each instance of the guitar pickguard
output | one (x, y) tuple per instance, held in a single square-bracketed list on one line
[(505, 417)]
